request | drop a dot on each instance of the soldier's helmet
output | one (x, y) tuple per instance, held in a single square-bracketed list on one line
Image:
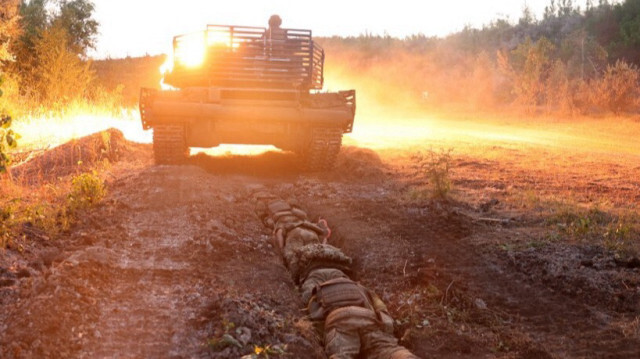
[(275, 21)]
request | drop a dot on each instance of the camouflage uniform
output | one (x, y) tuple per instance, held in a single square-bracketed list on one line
[(290, 226), (316, 277), (354, 320), (308, 258), (352, 330)]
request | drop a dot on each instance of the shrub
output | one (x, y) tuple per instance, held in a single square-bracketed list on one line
[(436, 165), (61, 75), (617, 90), (87, 190), (8, 140)]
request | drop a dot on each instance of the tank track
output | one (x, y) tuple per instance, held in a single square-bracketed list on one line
[(169, 145), (322, 150)]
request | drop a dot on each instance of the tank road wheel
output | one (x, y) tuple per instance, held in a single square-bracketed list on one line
[(322, 150), (169, 145)]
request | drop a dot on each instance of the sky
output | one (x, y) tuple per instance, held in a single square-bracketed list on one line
[(140, 27)]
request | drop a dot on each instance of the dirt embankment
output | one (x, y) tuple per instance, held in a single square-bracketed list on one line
[(75, 157), (175, 264)]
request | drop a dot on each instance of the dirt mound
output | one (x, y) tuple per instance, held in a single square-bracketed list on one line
[(75, 156), (358, 163)]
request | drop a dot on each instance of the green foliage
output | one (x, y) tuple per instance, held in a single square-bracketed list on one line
[(8, 30), (87, 190), (629, 19), (528, 68), (8, 27), (51, 52), (8, 140), (33, 20), (48, 211), (75, 17), (615, 231)]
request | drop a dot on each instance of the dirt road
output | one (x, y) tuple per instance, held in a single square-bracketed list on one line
[(175, 264), (173, 259)]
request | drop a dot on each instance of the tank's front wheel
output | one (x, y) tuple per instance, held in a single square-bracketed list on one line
[(169, 144)]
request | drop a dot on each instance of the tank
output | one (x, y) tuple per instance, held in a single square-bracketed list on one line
[(236, 85)]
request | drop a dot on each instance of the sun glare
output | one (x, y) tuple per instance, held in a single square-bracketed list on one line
[(238, 150), (166, 68), (42, 133), (190, 49), (218, 38)]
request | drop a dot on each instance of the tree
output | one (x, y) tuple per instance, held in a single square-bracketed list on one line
[(558, 92), (627, 45), (8, 31), (527, 69), (33, 20), (8, 27), (481, 92), (527, 17), (52, 49), (618, 89), (76, 18), (550, 10), (62, 75)]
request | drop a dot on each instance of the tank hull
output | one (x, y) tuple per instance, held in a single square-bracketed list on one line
[(210, 117)]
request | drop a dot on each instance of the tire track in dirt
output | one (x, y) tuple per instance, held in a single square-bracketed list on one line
[(171, 263)]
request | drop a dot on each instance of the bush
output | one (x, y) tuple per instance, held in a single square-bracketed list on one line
[(8, 140), (61, 75), (617, 90), (87, 190), (47, 211), (436, 165)]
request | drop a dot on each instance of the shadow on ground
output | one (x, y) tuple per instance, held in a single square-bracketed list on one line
[(268, 164)]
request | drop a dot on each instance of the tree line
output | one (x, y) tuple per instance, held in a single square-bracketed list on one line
[(571, 61), (49, 67)]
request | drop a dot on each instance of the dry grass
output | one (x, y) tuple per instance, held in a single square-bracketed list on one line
[(42, 198), (567, 180), (45, 212)]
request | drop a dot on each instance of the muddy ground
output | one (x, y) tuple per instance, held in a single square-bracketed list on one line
[(175, 264)]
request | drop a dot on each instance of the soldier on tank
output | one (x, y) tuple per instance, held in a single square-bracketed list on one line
[(275, 32), (275, 40)]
